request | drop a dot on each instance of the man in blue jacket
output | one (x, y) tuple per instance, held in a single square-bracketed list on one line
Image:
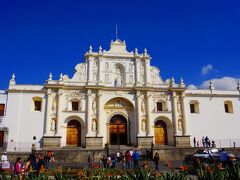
[(136, 158)]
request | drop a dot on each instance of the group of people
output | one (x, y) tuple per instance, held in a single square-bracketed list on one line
[(35, 164), (128, 160), (206, 142)]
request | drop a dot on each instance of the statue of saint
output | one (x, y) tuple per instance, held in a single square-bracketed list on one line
[(94, 125), (143, 106), (144, 125), (94, 106), (180, 128), (53, 124), (118, 77)]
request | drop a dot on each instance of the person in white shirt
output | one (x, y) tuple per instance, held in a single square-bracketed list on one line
[(4, 157)]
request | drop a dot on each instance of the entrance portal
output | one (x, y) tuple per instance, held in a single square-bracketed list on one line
[(118, 130), (73, 133), (160, 132)]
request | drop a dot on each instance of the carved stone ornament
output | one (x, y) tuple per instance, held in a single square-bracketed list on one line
[(94, 106), (144, 125), (53, 124), (94, 125), (180, 127), (143, 106)]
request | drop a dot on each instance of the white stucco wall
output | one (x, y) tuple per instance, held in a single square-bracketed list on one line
[(212, 120), (23, 122)]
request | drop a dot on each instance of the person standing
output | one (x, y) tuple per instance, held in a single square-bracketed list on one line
[(194, 141), (136, 158), (203, 142), (127, 159), (17, 168), (156, 160)]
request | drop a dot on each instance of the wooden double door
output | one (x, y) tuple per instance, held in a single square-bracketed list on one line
[(118, 130), (74, 133), (160, 133)]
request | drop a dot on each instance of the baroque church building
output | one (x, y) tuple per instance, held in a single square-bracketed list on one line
[(116, 97)]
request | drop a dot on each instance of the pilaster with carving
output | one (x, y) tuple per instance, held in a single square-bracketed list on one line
[(89, 113), (138, 113), (185, 127), (137, 69), (100, 112), (59, 109), (100, 74), (149, 114), (175, 113), (147, 72), (48, 113), (90, 75)]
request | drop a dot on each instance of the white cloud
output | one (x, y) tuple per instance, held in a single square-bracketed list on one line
[(224, 83), (206, 69), (192, 86)]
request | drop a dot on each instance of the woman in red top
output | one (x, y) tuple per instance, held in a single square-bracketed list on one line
[(128, 159), (17, 168)]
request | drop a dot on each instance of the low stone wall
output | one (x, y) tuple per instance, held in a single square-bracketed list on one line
[(81, 155)]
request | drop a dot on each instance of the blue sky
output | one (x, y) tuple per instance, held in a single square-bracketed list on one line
[(196, 40)]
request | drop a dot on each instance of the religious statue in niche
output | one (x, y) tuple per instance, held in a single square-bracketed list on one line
[(94, 106), (53, 124), (54, 106), (144, 125), (143, 106), (118, 77), (94, 125)]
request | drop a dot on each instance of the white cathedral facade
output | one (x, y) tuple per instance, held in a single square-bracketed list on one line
[(115, 97)]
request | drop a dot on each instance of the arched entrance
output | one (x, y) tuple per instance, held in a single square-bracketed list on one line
[(118, 130), (73, 133), (160, 132)]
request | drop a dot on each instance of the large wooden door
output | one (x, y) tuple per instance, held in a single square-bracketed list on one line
[(118, 130), (74, 133), (160, 132)]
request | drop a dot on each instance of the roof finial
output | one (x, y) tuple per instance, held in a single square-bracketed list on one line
[(50, 76), (116, 32)]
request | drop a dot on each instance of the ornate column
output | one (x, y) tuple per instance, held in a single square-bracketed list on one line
[(99, 114), (185, 125), (147, 72), (89, 113), (59, 110), (138, 113), (137, 68), (150, 131), (100, 74), (48, 113), (89, 69), (175, 113)]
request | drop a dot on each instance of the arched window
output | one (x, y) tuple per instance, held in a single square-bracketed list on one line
[(194, 106), (228, 106), (37, 104)]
